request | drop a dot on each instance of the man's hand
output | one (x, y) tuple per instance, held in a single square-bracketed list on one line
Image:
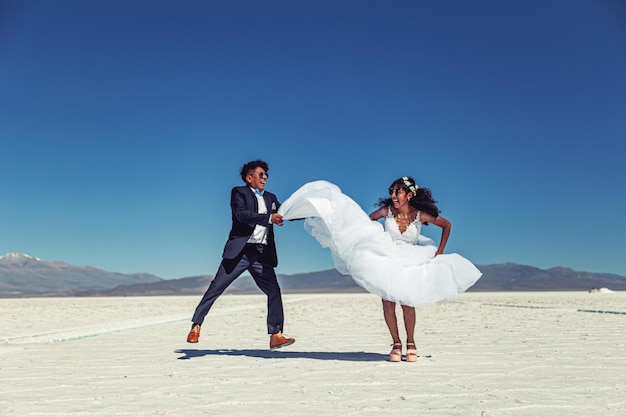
[(277, 219)]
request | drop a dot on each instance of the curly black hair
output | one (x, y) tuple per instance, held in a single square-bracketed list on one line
[(422, 199), (251, 166)]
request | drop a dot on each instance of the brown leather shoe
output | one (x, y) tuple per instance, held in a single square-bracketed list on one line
[(194, 334), (277, 340)]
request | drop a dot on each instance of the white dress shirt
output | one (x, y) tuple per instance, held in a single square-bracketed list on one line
[(259, 235)]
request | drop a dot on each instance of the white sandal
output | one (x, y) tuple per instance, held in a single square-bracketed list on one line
[(396, 353), (411, 353)]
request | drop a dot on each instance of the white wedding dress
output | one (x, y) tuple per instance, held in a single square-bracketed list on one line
[(399, 267)]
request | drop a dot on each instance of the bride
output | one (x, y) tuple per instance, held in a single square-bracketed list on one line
[(395, 262)]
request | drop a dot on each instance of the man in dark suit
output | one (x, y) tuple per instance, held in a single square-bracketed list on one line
[(250, 247)]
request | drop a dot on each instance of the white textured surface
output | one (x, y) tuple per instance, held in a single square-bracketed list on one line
[(500, 354)]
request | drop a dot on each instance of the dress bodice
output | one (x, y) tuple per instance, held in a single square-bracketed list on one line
[(410, 235)]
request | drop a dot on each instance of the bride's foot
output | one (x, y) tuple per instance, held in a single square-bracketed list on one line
[(411, 352), (396, 353)]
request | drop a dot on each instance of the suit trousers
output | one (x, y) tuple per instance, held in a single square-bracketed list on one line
[(256, 260)]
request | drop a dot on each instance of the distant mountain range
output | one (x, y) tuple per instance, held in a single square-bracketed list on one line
[(315, 282), (513, 277), (23, 275), (26, 276)]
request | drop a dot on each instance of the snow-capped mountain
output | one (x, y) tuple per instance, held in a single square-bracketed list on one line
[(17, 257), (25, 275)]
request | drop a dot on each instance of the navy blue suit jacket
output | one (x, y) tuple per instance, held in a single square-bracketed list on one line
[(245, 216)]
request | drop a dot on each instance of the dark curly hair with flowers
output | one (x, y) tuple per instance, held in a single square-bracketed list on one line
[(422, 199)]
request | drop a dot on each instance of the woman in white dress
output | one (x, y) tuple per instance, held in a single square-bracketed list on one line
[(407, 208), (394, 262)]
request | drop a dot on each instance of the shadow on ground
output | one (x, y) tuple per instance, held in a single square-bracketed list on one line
[(276, 354)]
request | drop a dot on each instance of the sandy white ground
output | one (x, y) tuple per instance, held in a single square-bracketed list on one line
[(483, 354)]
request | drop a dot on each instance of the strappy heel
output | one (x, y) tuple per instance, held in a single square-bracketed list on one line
[(411, 353), (396, 353)]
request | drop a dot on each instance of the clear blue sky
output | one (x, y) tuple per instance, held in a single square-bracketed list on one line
[(123, 124)]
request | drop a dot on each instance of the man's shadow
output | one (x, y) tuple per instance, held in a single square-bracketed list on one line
[(275, 354)]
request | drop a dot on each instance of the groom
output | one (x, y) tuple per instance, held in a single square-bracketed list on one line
[(250, 247)]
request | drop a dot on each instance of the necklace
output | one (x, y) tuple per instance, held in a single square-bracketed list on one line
[(403, 217), (403, 221)]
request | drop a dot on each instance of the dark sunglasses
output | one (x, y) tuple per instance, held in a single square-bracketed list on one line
[(263, 175), (395, 191)]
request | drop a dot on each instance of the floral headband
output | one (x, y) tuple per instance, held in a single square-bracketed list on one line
[(412, 187)]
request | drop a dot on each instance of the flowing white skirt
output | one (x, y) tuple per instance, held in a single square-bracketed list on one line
[(404, 273)]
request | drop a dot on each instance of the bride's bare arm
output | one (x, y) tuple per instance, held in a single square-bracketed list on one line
[(380, 213), (445, 225)]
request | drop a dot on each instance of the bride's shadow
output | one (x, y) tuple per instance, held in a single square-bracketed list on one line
[(275, 354)]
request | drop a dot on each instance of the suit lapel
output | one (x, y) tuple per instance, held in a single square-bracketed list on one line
[(252, 201)]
